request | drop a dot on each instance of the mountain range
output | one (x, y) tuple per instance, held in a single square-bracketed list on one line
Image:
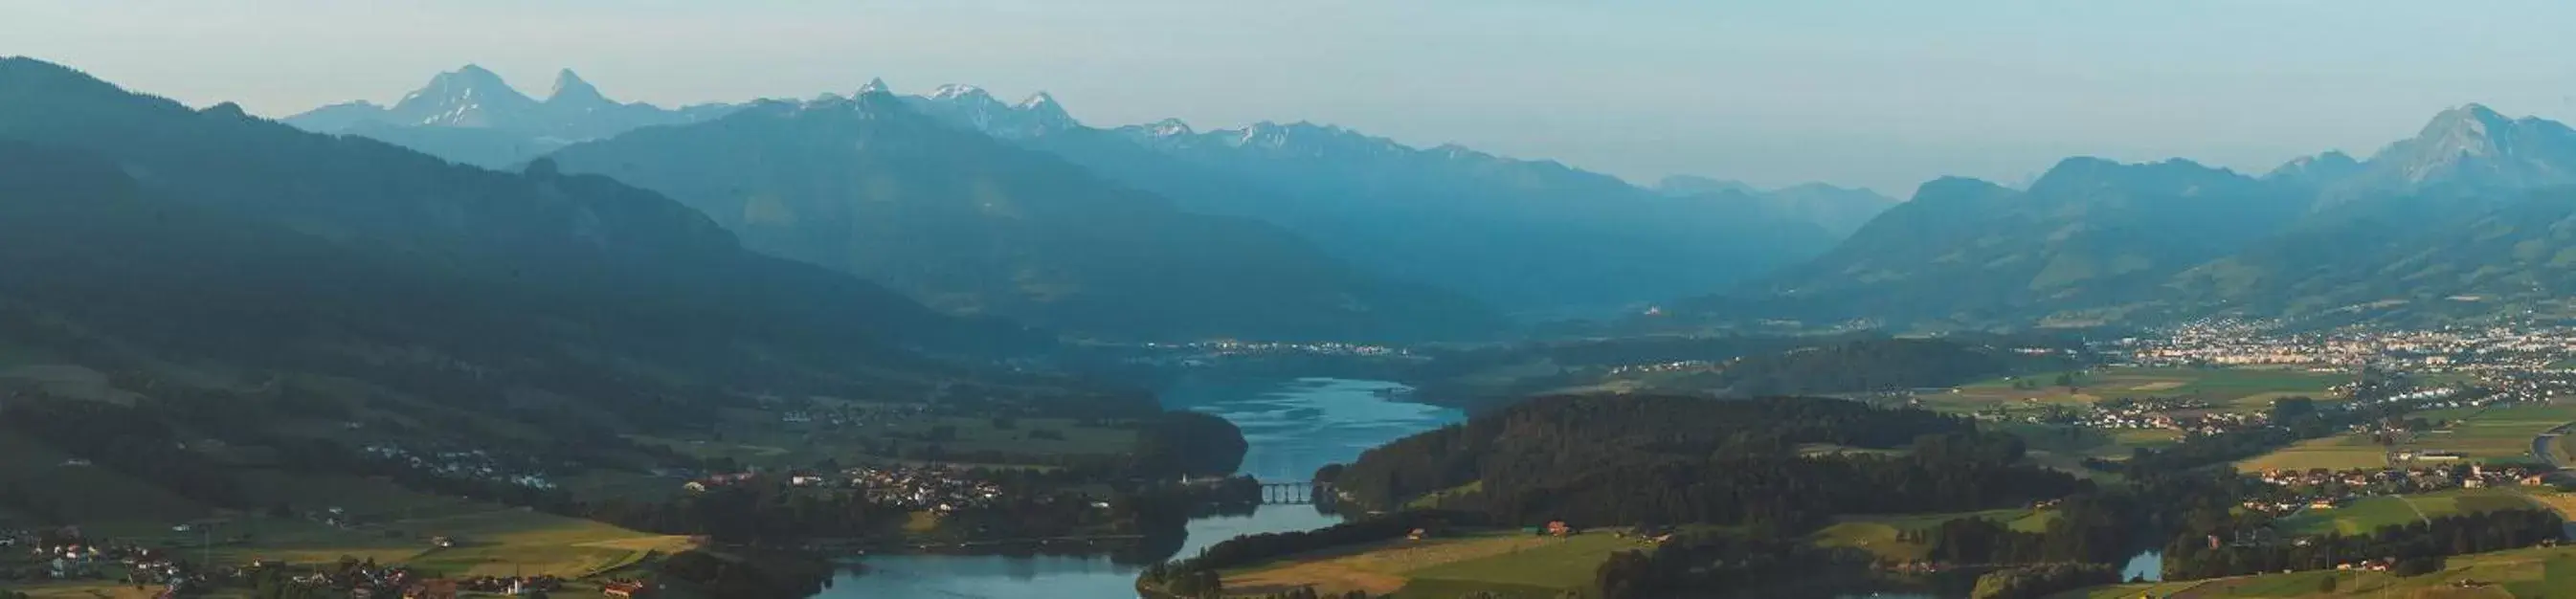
[(189, 252), (1529, 237), (1370, 232), (973, 225), (1532, 237), (471, 116), (2468, 218), (1839, 210)]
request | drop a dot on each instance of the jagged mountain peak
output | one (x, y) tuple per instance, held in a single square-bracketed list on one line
[(2316, 170), (569, 88), (1169, 128), (2475, 144), (973, 107), (471, 77), (958, 91), (467, 97), (876, 85)]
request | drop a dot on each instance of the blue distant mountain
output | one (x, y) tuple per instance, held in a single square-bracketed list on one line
[(2469, 218), (471, 116)]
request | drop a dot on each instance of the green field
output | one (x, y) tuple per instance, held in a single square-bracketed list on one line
[(2498, 435), (1509, 564), (2236, 389), (2372, 513), (2536, 572), (2490, 435), (1549, 569), (394, 525), (1877, 534), (2339, 452)]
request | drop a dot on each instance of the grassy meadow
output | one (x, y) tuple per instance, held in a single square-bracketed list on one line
[(1878, 534), (2369, 514), (2339, 452), (2235, 389), (1509, 564), (2535, 572)]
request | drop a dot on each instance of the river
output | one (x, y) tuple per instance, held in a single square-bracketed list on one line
[(1294, 427)]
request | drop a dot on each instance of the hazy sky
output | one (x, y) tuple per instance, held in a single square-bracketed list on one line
[(1883, 94)]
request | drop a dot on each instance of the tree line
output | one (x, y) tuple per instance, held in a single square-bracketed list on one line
[(2209, 553)]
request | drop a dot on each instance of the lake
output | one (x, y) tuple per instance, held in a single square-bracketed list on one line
[(1294, 427)]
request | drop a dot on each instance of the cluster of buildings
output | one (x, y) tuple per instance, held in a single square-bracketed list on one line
[(2189, 421), (2321, 489), (1210, 353), (69, 557), (941, 489), (929, 488), (368, 580), (1662, 367), (471, 464), (2473, 350)]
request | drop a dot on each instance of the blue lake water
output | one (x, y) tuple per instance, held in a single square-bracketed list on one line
[(1294, 427)]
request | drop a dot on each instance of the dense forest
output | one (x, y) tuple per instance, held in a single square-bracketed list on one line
[(2042, 580), (1191, 443), (1612, 460), (2088, 527)]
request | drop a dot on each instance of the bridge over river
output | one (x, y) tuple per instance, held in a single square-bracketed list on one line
[(1295, 493)]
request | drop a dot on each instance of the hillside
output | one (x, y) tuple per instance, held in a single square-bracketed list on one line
[(302, 295), (2088, 233), (2459, 222), (1528, 236), (972, 225)]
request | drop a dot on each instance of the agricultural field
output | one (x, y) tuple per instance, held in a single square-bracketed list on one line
[(2340, 452), (1877, 534), (2499, 434), (393, 525), (2237, 389), (2490, 435), (2372, 513), (1513, 565), (2536, 572)]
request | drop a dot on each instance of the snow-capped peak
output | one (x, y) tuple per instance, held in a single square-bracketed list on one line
[(1169, 128), (1036, 100), (874, 86), (468, 96), (957, 91)]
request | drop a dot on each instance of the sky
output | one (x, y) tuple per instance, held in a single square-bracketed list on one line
[(1885, 94)]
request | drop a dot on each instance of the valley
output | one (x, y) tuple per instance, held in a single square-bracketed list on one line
[(1356, 301)]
